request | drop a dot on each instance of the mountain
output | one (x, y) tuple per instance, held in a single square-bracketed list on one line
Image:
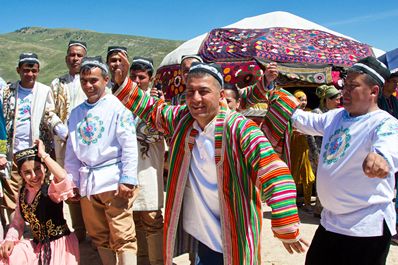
[(51, 44)]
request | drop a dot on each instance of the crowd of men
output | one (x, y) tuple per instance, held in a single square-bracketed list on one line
[(109, 129)]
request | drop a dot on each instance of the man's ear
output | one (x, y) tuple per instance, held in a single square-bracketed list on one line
[(375, 90), (107, 78), (222, 94), (17, 69)]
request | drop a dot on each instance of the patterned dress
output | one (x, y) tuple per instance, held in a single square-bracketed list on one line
[(52, 242)]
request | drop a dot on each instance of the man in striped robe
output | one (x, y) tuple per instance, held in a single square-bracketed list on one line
[(221, 168)]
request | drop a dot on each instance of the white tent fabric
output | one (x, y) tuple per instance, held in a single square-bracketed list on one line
[(269, 20)]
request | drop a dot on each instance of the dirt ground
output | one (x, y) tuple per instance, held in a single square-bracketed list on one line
[(273, 252)]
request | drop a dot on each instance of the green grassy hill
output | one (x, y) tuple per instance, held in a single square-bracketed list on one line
[(50, 45)]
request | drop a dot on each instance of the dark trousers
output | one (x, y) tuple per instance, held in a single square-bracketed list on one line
[(328, 248), (207, 256)]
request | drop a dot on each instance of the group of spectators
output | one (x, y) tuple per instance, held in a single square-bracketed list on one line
[(97, 138)]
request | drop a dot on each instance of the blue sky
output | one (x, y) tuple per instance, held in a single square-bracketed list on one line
[(371, 22)]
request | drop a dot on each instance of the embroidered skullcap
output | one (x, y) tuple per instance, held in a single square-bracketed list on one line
[(147, 62), (28, 57), (374, 68), (211, 68), (394, 73), (94, 62), (78, 43), (191, 56), (112, 49), (299, 93), (25, 153), (326, 91)]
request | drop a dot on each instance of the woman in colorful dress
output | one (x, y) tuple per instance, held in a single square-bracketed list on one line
[(40, 204)]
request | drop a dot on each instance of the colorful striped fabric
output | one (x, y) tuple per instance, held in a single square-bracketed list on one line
[(248, 171), (276, 125)]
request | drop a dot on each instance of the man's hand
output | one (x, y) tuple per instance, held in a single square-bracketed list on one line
[(296, 246), (126, 191), (271, 72), (375, 166), (76, 196), (157, 93), (122, 71), (3, 162), (41, 149), (6, 248)]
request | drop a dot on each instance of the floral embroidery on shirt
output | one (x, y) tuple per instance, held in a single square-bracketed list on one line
[(127, 119), (337, 145), (24, 109), (90, 129), (387, 127)]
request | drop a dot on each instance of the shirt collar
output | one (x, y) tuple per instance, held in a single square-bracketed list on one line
[(209, 128)]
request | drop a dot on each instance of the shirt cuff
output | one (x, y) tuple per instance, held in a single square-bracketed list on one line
[(128, 180), (120, 88), (61, 130), (377, 151)]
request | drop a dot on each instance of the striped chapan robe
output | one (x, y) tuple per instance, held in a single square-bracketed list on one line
[(248, 171), (276, 124)]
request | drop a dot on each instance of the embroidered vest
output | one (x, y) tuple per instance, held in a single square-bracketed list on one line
[(45, 217)]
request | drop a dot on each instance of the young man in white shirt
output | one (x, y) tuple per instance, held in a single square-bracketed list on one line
[(101, 156), (68, 94), (147, 207), (29, 114)]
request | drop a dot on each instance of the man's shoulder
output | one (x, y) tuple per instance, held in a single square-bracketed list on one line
[(41, 85), (77, 110), (383, 115), (42, 89), (385, 124), (60, 80), (236, 119), (333, 114), (114, 101)]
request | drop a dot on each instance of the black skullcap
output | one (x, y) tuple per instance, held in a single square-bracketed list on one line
[(210, 68), (148, 62), (374, 68), (191, 56), (78, 43), (25, 153), (95, 62), (112, 49), (28, 57)]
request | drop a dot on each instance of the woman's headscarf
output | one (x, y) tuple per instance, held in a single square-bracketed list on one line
[(325, 91)]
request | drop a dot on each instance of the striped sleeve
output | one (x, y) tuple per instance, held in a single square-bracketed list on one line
[(275, 181), (257, 93), (158, 114), (277, 123)]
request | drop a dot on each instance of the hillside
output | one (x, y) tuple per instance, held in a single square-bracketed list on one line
[(50, 46)]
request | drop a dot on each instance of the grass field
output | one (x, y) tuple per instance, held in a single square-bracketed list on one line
[(50, 45)]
